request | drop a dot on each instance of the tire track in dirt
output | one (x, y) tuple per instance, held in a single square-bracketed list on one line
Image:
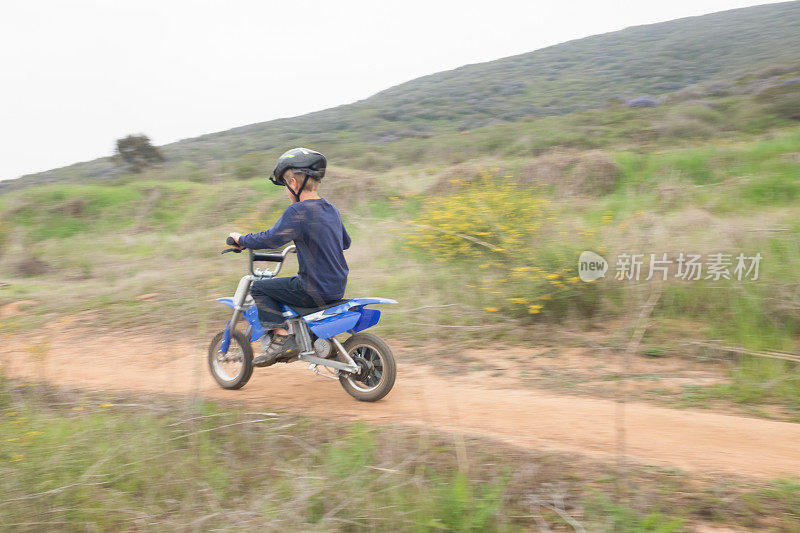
[(692, 440)]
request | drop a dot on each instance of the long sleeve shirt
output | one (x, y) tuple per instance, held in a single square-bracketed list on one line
[(317, 230)]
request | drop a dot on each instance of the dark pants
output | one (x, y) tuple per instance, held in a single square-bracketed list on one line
[(270, 293)]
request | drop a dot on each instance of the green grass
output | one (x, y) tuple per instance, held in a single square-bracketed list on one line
[(626, 520), (761, 175), (60, 211), (63, 211), (754, 381), (102, 462)]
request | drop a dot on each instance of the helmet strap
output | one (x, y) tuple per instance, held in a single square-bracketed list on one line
[(300, 190)]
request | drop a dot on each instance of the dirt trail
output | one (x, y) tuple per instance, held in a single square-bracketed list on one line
[(692, 440)]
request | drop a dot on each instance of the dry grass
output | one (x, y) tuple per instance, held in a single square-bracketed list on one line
[(348, 189), (31, 266), (572, 173)]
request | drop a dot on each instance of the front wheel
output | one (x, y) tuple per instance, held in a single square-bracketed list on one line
[(233, 369), (377, 368)]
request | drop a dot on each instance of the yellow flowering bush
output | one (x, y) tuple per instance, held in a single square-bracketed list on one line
[(523, 257)]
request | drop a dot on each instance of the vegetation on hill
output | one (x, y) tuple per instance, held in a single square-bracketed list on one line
[(723, 50)]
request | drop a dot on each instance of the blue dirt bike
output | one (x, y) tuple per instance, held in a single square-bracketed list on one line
[(363, 364)]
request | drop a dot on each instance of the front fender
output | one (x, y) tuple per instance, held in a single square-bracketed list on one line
[(227, 301), (250, 315)]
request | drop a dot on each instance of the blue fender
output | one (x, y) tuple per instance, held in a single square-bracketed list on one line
[(347, 317), (369, 317), (227, 301), (357, 302), (226, 339), (251, 315), (333, 325)]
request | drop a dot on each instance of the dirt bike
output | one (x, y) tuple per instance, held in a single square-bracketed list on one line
[(363, 364)]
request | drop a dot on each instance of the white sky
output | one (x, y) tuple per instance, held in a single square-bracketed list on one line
[(75, 75)]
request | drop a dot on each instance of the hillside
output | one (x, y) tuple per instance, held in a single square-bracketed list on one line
[(582, 74)]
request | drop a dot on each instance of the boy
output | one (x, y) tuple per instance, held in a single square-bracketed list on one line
[(314, 225)]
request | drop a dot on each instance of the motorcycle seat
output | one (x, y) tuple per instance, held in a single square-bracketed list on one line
[(303, 311)]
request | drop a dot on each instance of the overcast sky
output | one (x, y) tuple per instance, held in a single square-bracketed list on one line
[(75, 75)]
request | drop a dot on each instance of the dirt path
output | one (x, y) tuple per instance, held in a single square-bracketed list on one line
[(691, 440)]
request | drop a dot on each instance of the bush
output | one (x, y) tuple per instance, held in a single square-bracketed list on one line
[(136, 153), (514, 236), (251, 165), (31, 266), (350, 189), (642, 101), (782, 100), (595, 174), (681, 126), (591, 173)]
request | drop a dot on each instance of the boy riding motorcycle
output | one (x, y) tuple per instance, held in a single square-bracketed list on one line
[(316, 228)]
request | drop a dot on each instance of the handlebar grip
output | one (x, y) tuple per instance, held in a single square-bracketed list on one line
[(230, 242)]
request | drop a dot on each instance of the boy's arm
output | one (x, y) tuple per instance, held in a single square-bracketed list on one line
[(285, 229), (345, 239)]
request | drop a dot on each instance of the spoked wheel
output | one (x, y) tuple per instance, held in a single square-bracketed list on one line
[(233, 369), (377, 369)]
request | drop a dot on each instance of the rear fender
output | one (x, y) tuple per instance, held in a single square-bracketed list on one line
[(347, 317), (356, 302), (326, 328), (369, 317)]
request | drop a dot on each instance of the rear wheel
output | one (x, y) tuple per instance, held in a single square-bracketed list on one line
[(377, 368), (233, 369)]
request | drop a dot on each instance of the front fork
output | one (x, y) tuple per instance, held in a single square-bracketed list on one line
[(242, 290)]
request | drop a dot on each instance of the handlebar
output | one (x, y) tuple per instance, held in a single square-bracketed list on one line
[(269, 257)]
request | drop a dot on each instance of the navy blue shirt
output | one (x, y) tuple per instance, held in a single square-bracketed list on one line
[(317, 230)]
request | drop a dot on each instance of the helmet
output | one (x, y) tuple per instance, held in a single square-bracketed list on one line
[(303, 160)]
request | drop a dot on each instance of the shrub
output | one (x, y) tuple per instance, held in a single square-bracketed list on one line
[(31, 266), (591, 173), (512, 236), (681, 126), (642, 101), (136, 153), (373, 161), (595, 173), (349, 189), (782, 100), (250, 165)]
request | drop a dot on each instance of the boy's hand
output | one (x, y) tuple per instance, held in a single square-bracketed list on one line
[(235, 236)]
